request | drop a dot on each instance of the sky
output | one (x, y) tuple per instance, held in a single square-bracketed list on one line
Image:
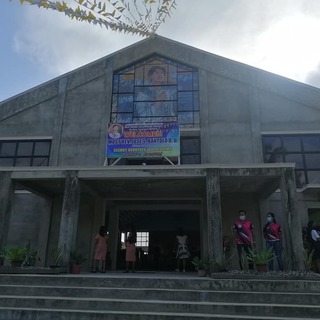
[(280, 36)]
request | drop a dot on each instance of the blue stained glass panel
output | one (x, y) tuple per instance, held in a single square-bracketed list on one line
[(125, 103), (126, 83), (124, 117), (196, 117), (185, 81), (196, 105), (195, 81), (185, 101), (185, 117)]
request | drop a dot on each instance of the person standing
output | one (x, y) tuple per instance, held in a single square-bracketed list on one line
[(182, 250), (243, 229), (272, 235), (100, 250), (315, 236), (131, 251)]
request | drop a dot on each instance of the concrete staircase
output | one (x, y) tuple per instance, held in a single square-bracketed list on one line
[(156, 297)]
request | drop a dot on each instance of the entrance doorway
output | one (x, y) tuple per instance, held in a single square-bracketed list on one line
[(156, 237)]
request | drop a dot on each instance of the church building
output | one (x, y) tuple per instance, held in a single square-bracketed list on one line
[(159, 136)]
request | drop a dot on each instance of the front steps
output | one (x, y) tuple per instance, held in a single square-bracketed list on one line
[(156, 296)]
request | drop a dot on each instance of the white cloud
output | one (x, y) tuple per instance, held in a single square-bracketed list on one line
[(313, 78), (58, 44), (278, 36)]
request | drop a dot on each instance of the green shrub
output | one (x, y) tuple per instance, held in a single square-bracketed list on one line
[(261, 257), (200, 264)]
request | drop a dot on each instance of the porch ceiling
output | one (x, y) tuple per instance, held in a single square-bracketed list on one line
[(163, 182)]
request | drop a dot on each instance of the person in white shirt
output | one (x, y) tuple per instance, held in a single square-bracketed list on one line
[(315, 236), (182, 250)]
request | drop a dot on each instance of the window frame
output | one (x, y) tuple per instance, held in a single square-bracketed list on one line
[(31, 155), (303, 170)]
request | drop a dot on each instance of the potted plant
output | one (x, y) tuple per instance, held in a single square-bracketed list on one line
[(201, 265), (31, 257), (16, 255), (76, 259), (261, 258)]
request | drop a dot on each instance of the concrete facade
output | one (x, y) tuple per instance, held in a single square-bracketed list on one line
[(75, 195)]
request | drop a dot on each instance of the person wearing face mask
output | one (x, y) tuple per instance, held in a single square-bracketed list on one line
[(272, 234), (243, 235)]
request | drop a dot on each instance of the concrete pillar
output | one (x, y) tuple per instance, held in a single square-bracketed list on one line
[(69, 215), (203, 231), (264, 208), (6, 200), (215, 242), (292, 228), (113, 236)]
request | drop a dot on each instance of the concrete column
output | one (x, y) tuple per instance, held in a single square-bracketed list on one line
[(113, 236), (292, 228), (215, 242), (264, 208), (69, 215), (203, 231), (6, 200)]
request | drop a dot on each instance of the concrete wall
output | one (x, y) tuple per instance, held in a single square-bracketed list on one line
[(228, 127), (286, 115), (30, 221), (82, 129), (37, 121)]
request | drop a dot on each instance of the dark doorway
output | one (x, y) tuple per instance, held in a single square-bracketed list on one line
[(156, 237)]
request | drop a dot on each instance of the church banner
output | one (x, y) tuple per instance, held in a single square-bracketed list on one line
[(143, 140)]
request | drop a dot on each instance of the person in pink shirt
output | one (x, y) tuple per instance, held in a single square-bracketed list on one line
[(131, 250), (100, 250), (272, 234), (243, 237)]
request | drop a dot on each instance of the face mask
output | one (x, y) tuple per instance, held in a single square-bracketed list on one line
[(269, 219), (242, 218)]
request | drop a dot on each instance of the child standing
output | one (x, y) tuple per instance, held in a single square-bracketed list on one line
[(131, 251), (100, 250), (182, 249)]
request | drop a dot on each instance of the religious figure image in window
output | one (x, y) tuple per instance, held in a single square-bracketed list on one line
[(156, 98), (115, 130)]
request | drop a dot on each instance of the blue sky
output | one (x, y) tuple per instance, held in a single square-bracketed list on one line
[(277, 36), (16, 72)]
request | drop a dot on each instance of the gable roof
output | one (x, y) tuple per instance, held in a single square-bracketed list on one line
[(207, 62)]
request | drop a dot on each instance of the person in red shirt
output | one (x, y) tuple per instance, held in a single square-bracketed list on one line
[(272, 234), (243, 236)]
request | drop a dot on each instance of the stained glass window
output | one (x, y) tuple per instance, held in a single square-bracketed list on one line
[(156, 90)]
